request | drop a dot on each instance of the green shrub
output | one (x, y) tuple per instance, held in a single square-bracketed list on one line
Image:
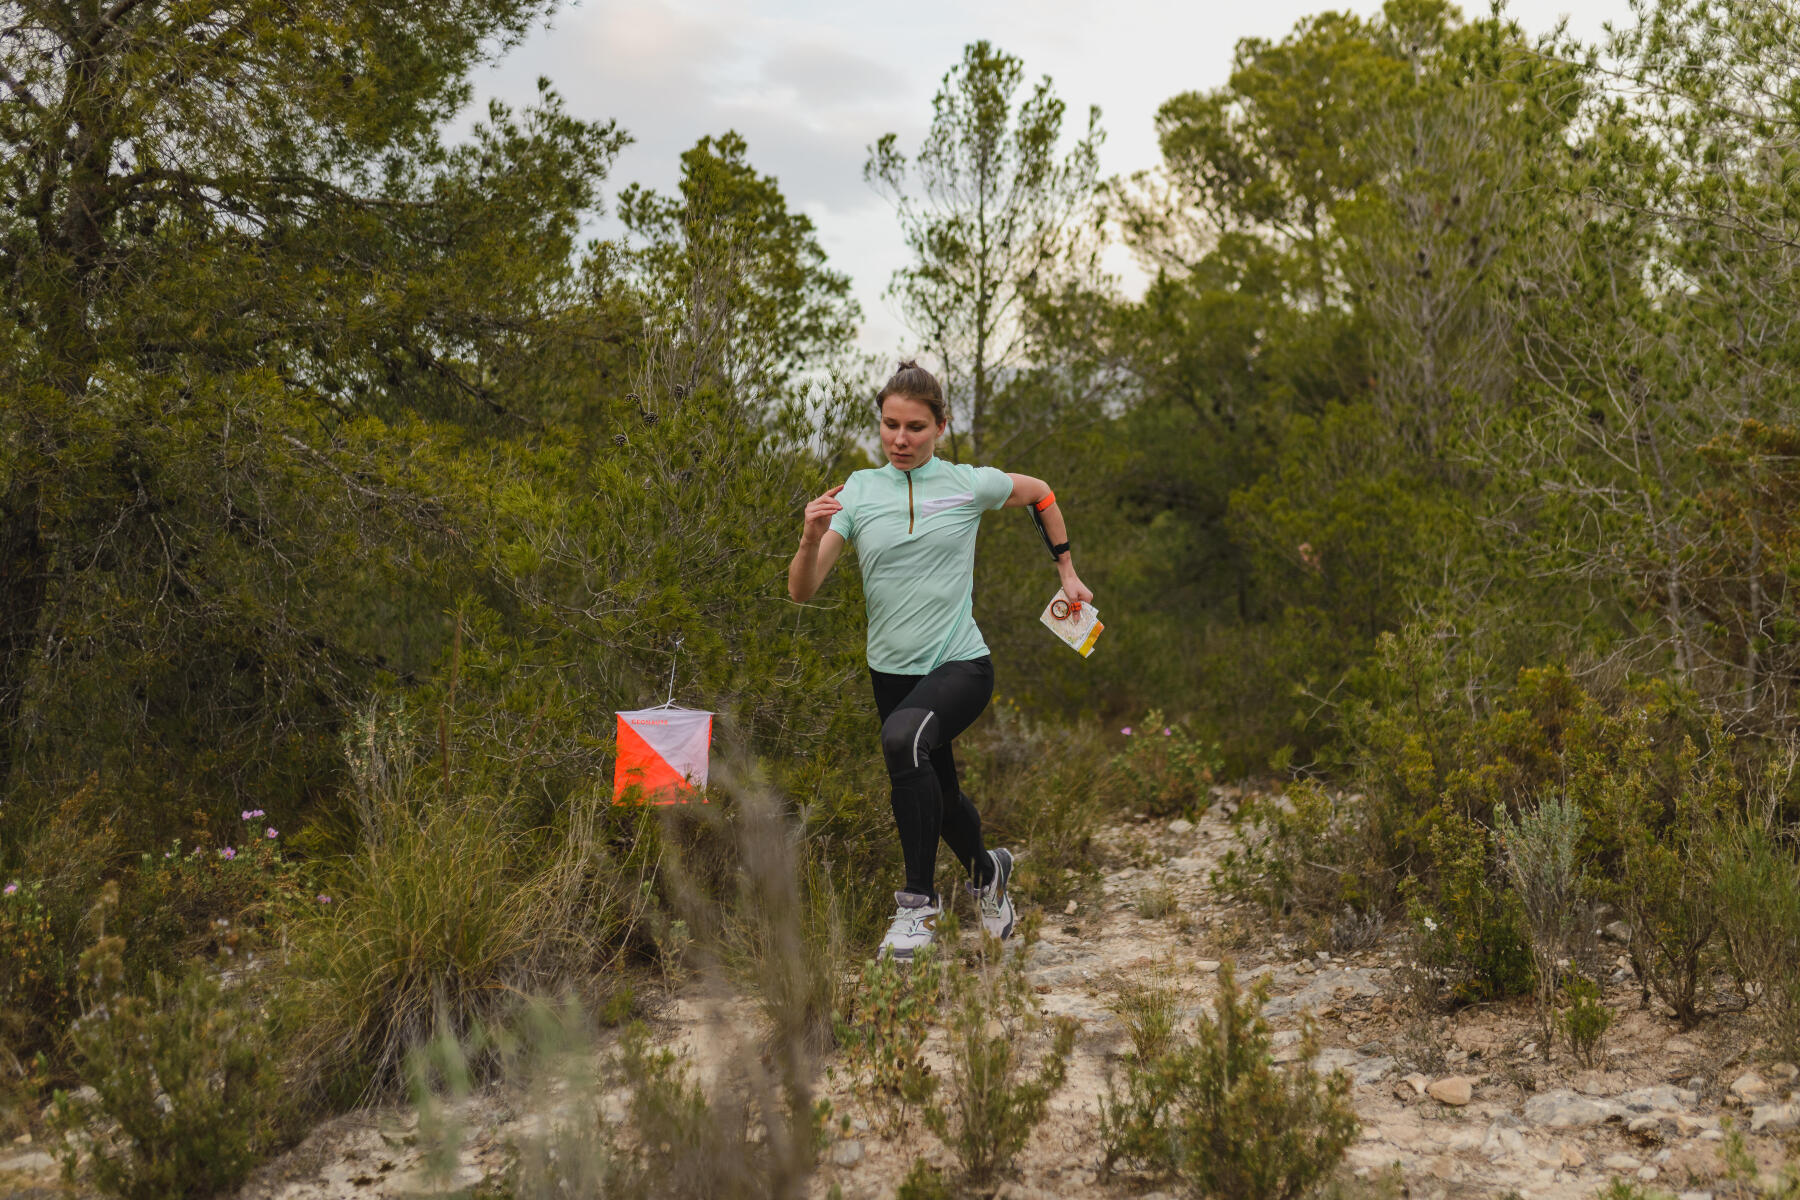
[(37, 966), (1586, 1020), (183, 1069), (46, 903), (1218, 1112), (1163, 770), (1657, 815), (1467, 922), (188, 902), (1309, 851), (1756, 890), (1539, 850), (883, 1037), (924, 1182), (992, 1100)]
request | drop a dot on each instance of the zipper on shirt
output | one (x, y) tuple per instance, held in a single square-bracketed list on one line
[(909, 502)]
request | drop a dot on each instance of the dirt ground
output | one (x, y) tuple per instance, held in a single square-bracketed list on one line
[(1451, 1105)]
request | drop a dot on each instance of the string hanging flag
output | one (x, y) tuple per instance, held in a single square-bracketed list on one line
[(663, 752)]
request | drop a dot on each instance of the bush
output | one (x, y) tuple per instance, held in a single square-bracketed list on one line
[(1467, 923), (1309, 851), (45, 905), (1657, 817), (1539, 850), (187, 903), (1586, 1020), (1219, 1113), (1162, 770), (1756, 890), (924, 1182), (883, 1038), (184, 1071), (992, 1103)]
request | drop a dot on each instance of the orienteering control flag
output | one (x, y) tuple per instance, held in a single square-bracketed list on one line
[(662, 751)]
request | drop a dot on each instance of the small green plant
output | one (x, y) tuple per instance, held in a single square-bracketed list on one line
[(1148, 1012), (183, 1070), (1623, 1189), (883, 1040), (1162, 770), (1218, 1112), (1156, 901), (924, 1182), (1308, 851), (994, 1100), (1586, 1020)]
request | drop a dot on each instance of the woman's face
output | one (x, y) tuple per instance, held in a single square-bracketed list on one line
[(909, 432)]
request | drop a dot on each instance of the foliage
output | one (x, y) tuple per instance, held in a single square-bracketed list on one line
[(236, 300), (1586, 1020), (883, 1037), (993, 218), (738, 293), (1539, 851), (1469, 923), (183, 1070), (1215, 1109), (188, 901), (1660, 828), (1162, 770), (410, 946), (992, 1100), (923, 1182), (1756, 885)]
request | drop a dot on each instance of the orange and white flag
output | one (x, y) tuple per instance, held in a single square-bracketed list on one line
[(663, 752)]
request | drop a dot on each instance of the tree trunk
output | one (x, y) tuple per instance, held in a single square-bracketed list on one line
[(24, 571)]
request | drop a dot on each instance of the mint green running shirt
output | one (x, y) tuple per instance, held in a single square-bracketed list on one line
[(914, 533)]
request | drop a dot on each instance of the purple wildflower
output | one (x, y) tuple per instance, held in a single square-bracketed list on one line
[(1126, 731), (1165, 731), (271, 833), (324, 899), (228, 853), (11, 888)]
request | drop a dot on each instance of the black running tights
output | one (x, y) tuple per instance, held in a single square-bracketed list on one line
[(920, 714)]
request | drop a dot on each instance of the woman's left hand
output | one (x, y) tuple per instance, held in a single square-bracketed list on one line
[(1074, 589)]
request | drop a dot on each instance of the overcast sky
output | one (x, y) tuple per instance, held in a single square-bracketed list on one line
[(810, 84)]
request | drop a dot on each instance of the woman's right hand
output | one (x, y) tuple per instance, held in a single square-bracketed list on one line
[(819, 513)]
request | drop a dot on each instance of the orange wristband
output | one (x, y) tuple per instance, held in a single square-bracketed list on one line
[(1046, 502)]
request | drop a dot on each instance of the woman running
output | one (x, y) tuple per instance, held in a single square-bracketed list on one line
[(913, 523)]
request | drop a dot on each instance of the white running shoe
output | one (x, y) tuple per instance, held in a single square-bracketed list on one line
[(914, 925), (994, 900)]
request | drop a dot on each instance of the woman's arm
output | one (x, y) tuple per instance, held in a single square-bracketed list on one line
[(819, 547), (1027, 490)]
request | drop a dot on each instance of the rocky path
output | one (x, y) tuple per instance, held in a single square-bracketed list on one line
[(1457, 1105)]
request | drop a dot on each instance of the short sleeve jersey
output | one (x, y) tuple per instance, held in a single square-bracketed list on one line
[(914, 533)]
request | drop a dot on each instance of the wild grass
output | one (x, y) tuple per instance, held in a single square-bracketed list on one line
[(634, 1119), (450, 909)]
